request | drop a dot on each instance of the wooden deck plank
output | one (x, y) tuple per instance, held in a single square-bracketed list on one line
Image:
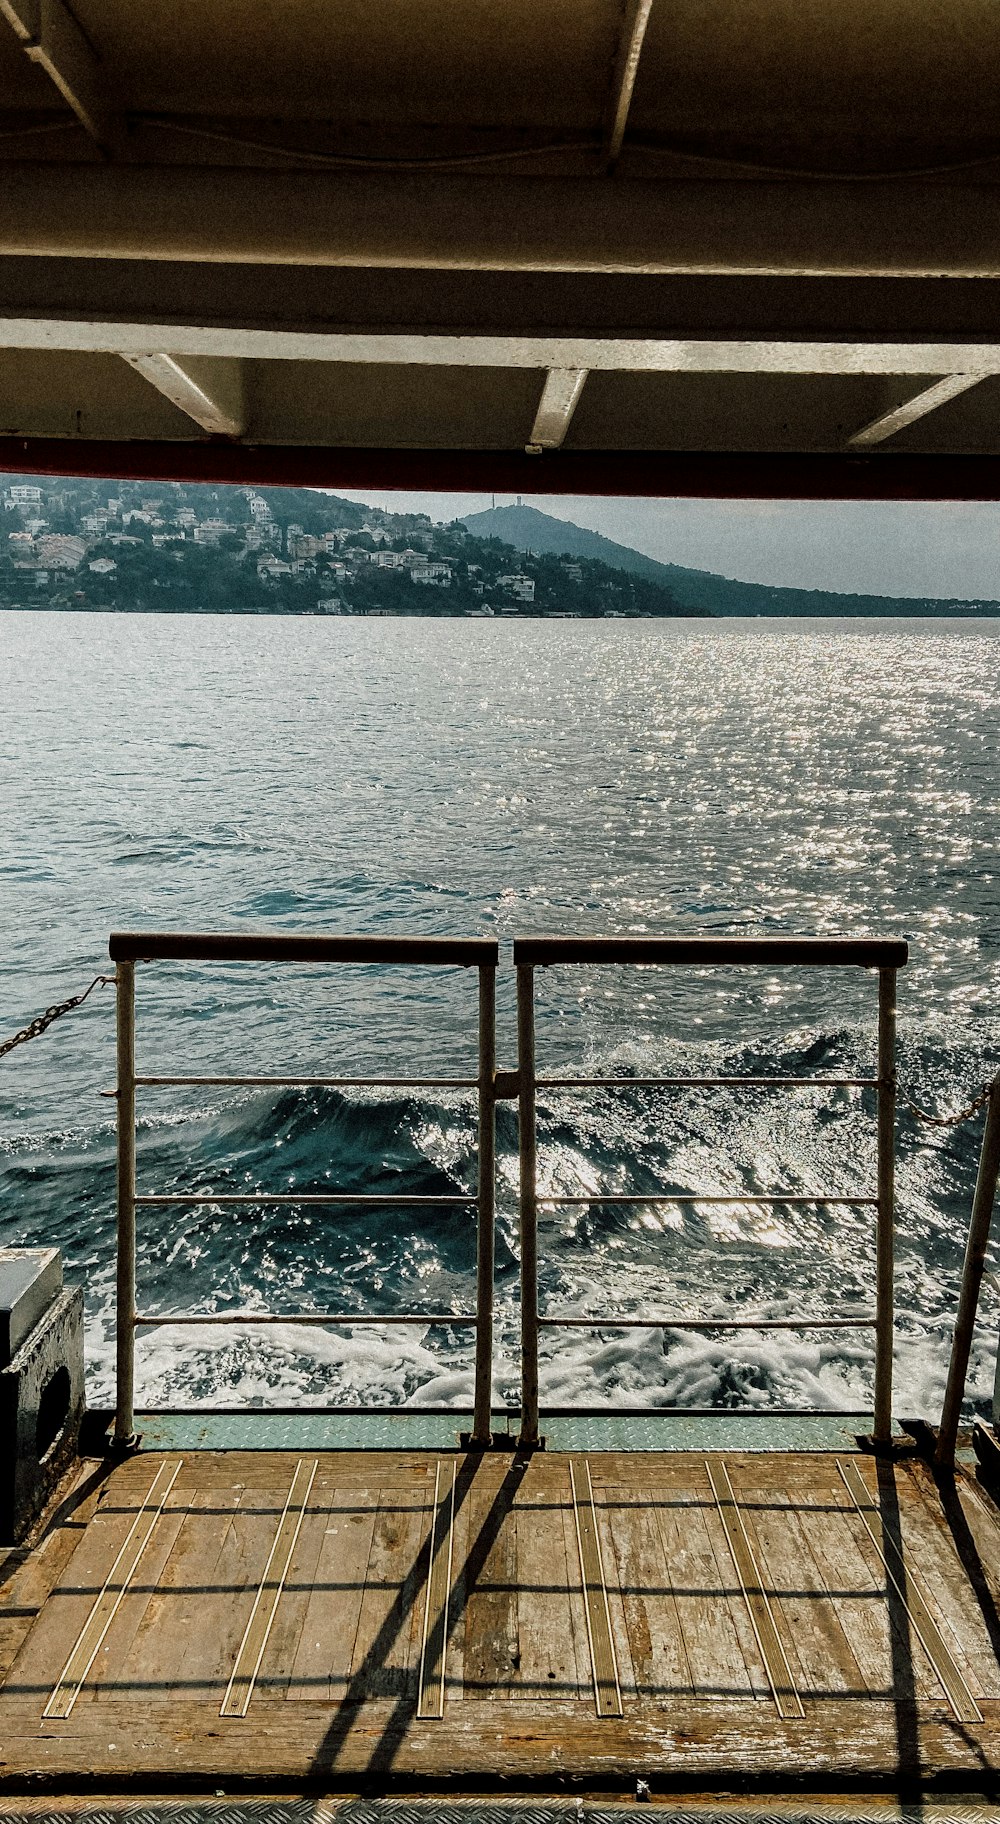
[(826, 1663), (756, 1592), (62, 1605), (107, 1604), (912, 1669), (976, 1523), (705, 1594), (879, 1513), (349, 1623), (386, 1644), (273, 1469), (656, 1665), (438, 1595), (554, 1660), (114, 1538), (177, 1605), (28, 1576), (267, 1601), (891, 1661), (274, 1676), (192, 1628), (324, 1655), (958, 1612), (593, 1579), (696, 1744), (137, 1598), (489, 1591), (806, 1469)]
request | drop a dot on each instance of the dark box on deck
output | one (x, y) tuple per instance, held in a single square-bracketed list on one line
[(41, 1383)]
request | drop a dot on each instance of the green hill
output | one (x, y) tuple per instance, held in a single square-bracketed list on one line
[(699, 591), (171, 547)]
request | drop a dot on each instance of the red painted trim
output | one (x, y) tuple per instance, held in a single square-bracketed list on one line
[(714, 475)]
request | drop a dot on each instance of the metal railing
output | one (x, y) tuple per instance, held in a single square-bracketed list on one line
[(129, 947), (536, 953), (491, 1086), (973, 1271)]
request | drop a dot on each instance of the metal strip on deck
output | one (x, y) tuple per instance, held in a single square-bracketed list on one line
[(786, 1697), (239, 1690), (434, 1640), (603, 1659), (945, 1668), (111, 1595)]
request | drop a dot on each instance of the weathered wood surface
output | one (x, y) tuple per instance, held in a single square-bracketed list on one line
[(336, 1695), (523, 1742)]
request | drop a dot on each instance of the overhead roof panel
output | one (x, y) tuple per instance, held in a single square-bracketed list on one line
[(524, 62), (60, 394), (23, 86), (398, 407), (860, 70), (728, 411)]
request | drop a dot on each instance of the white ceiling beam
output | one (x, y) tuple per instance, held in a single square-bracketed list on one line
[(880, 429), (609, 354), (51, 37), (211, 391), (559, 400), (634, 23), (453, 222)]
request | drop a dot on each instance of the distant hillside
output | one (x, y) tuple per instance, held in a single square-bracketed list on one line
[(171, 547), (697, 590)]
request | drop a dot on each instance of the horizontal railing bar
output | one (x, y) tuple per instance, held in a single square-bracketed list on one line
[(310, 1082), (707, 1323), (865, 952), (282, 947), (269, 1198), (661, 1197), (702, 1082), (302, 1317)]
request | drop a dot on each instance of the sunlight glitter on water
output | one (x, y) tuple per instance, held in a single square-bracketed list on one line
[(455, 778)]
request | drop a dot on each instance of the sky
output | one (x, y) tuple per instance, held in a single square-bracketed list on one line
[(947, 548)]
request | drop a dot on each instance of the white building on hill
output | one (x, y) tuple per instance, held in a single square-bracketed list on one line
[(521, 587)]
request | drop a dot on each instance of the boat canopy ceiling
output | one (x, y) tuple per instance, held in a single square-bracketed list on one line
[(630, 245)]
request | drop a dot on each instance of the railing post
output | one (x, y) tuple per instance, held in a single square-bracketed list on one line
[(885, 1236), (125, 1309), (972, 1279), (486, 1201), (527, 1151)]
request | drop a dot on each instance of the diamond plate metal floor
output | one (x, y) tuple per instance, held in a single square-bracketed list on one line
[(475, 1811), (436, 1430)]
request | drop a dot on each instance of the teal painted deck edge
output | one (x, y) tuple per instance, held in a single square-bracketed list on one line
[(417, 1430)]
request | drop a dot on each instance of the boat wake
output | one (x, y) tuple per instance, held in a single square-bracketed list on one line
[(748, 1262)]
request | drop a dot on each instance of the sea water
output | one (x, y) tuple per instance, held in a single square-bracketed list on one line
[(460, 778)]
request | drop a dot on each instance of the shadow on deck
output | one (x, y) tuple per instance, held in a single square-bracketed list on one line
[(434, 1621)]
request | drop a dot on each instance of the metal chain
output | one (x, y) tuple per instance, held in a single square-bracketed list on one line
[(44, 1020), (963, 1114)]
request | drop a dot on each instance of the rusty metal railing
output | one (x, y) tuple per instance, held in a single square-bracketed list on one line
[(885, 956), (973, 1271), (491, 1086), (481, 954)]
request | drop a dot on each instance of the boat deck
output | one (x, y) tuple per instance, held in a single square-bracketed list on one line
[(436, 1620)]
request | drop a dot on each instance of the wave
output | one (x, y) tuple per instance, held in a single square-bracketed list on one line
[(600, 1259)]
